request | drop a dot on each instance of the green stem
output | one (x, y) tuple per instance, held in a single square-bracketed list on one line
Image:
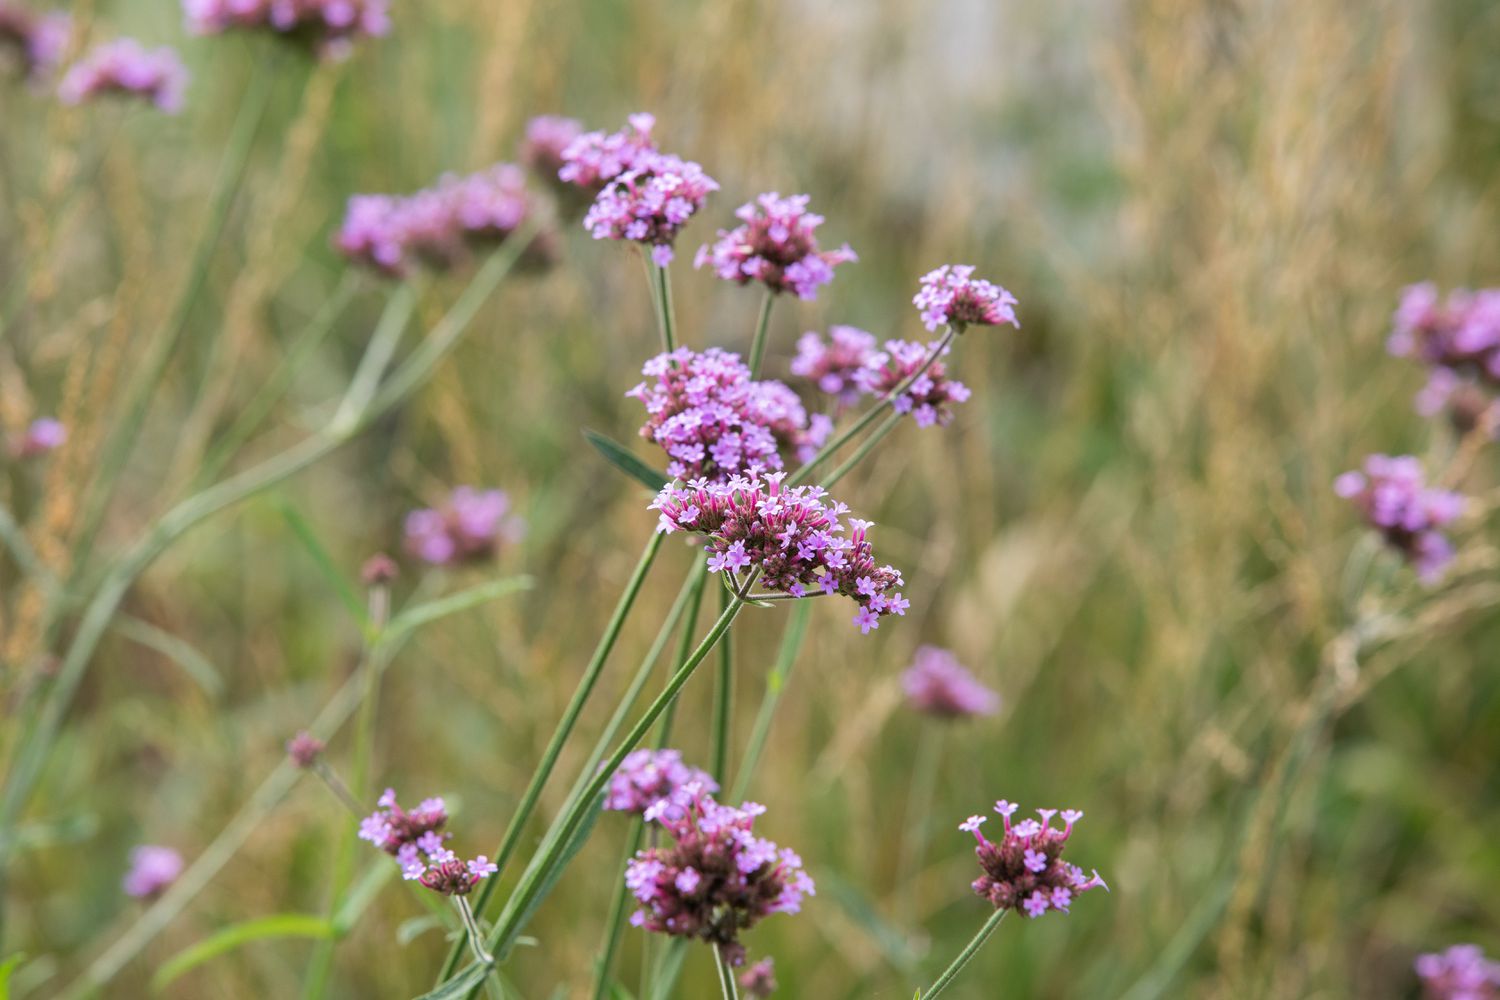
[(378, 354), (869, 415), (762, 325), (727, 986), (666, 316), (723, 702), (964, 956), (776, 681), (684, 649), (918, 815), (475, 935), (886, 426), (615, 926), (25, 556)]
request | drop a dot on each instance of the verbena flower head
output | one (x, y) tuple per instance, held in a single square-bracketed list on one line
[(469, 527), (797, 543), (330, 26), (1396, 501), (937, 684), (413, 838), (35, 42), (952, 295), (1457, 338), (654, 782), (391, 828), (304, 749), (776, 246), (835, 365), (717, 878), (759, 981), (43, 435), (127, 68), (930, 398), (152, 870), (547, 139), (1460, 973), (715, 422), (1024, 870), (650, 203), (593, 159)]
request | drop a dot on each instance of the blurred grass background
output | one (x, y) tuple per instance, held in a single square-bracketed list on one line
[(1206, 209)]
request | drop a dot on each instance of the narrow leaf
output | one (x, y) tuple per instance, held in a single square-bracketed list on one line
[(192, 662), (414, 928), (570, 851), (325, 563), (892, 942), (460, 985), (430, 611), (6, 968), (365, 891), (282, 925), (625, 460)]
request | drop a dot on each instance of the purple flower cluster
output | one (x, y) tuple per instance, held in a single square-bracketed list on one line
[(715, 422), (469, 527), (440, 226), (930, 397), (330, 26), (304, 749), (789, 537), (1024, 870), (152, 869), (650, 203), (42, 436), (1460, 973), (1396, 501), (413, 839), (126, 67), (759, 981), (835, 365), (593, 159), (1458, 339), (776, 246), (937, 684), (717, 878), (653, 783), (952, 295), (547, 138), (37, 41)]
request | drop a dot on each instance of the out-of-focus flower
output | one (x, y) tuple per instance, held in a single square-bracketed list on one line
[(790, 536), (930, 397), (835, 365), (650, 203), (36, 41), (1459, 340), (547, 139), (378, 570), (330, 26), (469, 527), (593, 159), (937, 684), (655, 781), (1460, 973), (952, 295), (304, 749), (776, 246), (127, 68), (152, 870), (1396, 501), (717, 878), (42, 436), (715, 422), (759, 981), (1024, 870)]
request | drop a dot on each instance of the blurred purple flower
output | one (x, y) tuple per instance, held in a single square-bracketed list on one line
[(929, 399), (1460, 973), (834, 366), (953, 296), (126, 67), (650, 203), (1459, 340), (37, 41), (655, 780), (1396, 502), (469, 527), (304, 749), (759, 981), (937, 684), (152, 869), (547, 138), (330, 26), (1024, 870), (42, 436), (593, 159), (776, 246)]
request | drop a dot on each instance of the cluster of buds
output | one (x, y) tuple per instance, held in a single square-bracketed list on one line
[(125, 67), (152, 870), (776, 246), (715, 422), (791, 540), (650, 203), (1460, 973), (835, 366), (1396, 501), (930, 396), (469, 527), (1459, 340), (937, 684), (441, 226), (43, 435), (35, 42), (1024, 870), (413, 838), (717, 878), (952, 296), (329, 26), (654, 783)]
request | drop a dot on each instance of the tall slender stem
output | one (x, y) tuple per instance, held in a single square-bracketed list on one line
[(616, 922), (684, 649), (475, 935), (727, 986), (951, 973), (918, 817), (758, 343), (776, 681), (668, 314), (723, 702), (378, 353), (876, 436)]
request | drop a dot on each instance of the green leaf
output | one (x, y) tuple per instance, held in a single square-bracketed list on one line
[(365, 890), (282, 925), (414, 928), (618, 992), (624, 459), (570, 851), (668, 969), (892, 942), (430, 611), (6, 968), (459, 986), (192, 662), (320, 557)]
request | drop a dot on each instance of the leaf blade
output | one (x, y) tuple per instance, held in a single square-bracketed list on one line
[(625, 460), (279, 925)]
